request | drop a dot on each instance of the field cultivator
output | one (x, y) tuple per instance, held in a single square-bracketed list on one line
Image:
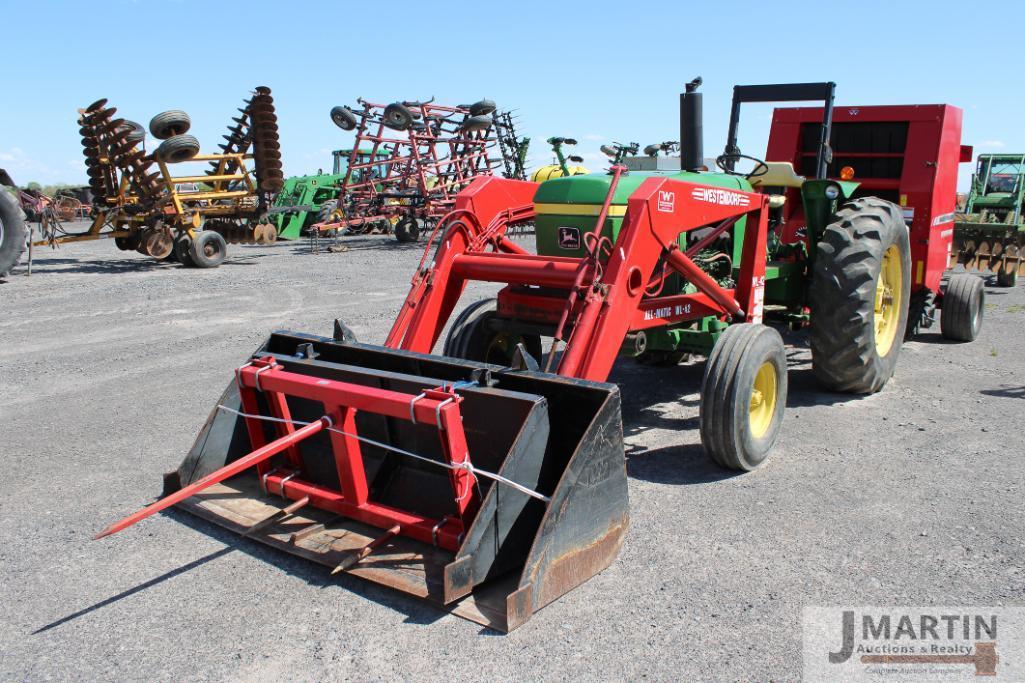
[(431, 152), (491, 478), (990, 234), (140, 204)]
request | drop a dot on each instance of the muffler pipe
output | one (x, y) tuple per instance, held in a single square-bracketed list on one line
[(692, 154)]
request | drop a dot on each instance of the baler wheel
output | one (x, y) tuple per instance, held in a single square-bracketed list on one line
[(860, 291), (963, 304), (743, 396), (169, 123), (208, 249)]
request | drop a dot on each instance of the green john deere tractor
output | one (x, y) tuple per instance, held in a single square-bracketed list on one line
[(308, 199), (840, 258)]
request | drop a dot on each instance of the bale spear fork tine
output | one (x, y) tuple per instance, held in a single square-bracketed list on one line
[(229, 470)]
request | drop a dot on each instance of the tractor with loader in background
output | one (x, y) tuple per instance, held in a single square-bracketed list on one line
[(990, 234), (491, 478)]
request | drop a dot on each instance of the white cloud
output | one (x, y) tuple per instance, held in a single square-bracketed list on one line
[(992, 144), (24, 169)]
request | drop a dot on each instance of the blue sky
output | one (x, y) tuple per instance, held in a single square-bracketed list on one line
[(596, 71)]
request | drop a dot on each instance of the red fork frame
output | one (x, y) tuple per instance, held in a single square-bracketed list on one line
[(612, 302), (341, 400)]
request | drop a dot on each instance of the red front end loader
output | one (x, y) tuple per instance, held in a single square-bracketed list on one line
[(491, 479)]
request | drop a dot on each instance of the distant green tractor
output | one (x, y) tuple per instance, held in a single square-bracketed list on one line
[(309, 199), (990, 235)]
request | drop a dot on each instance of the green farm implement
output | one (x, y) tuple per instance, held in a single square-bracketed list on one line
[(308, 199), (990, 234)]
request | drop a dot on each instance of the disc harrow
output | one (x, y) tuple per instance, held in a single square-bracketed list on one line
[(189, 217)]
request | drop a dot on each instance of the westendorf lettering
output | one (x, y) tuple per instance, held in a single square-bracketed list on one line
[(716, 195)]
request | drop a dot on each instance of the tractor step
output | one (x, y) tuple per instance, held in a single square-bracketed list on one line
[(482, 489)]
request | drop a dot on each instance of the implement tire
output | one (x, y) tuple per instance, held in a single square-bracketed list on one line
[(860, 290), (208, 249), (743, 396), (12, 232), (964, 300)]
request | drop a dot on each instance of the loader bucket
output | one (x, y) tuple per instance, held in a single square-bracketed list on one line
[(382, 489)]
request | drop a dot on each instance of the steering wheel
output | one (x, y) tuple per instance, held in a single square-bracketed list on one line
[(722, 161)]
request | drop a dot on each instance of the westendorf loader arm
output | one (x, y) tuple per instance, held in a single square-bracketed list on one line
[(606, 290), (485, 489)]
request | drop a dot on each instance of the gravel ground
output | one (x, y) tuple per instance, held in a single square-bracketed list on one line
[(109, 363)]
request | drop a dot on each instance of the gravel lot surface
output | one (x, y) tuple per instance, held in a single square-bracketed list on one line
[(110, 362)]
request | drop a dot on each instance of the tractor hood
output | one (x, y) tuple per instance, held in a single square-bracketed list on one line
[(592, 188)]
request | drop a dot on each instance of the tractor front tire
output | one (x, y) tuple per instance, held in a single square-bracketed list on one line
[(472, 338), (12, 232), (743, 396), (963, 303), (861, 286)]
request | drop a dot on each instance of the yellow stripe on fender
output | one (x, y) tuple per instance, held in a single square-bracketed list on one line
[(577, 209)]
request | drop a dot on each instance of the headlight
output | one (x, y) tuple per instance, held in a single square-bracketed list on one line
[(832, 191)]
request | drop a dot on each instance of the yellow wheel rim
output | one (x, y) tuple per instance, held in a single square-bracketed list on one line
[(888, 303), (763, 399)]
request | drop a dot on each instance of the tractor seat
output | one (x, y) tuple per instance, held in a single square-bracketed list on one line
[(780, 174)]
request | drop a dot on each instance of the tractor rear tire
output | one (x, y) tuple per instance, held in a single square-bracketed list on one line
[(964, 301), (407, 229), (178, 149), (12, 232), (472, 338), (208, 249), (167, 124), (743, 396), (325, 213), (857, 327)]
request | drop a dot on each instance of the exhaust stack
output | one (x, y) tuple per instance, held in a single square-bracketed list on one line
[(692, 155)]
